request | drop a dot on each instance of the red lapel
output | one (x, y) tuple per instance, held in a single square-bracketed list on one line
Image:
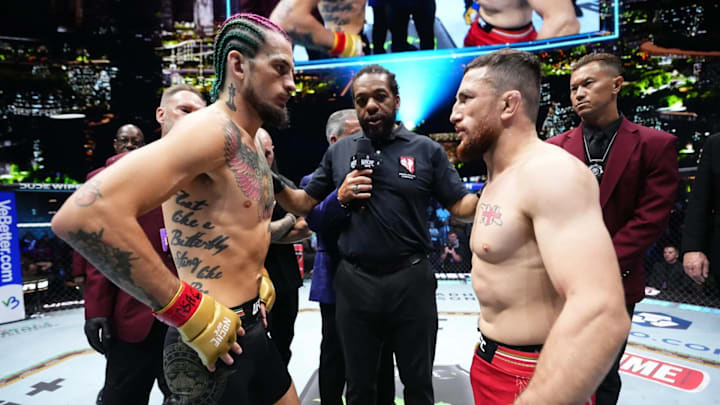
[(624, 146), (574, 144)]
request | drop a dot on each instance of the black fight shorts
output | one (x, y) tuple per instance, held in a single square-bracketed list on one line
[(257, 375)]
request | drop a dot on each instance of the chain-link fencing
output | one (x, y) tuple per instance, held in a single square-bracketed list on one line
[(49, 283)]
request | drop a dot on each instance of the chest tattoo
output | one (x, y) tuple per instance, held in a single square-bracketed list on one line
[(251, 172), (490, 214)]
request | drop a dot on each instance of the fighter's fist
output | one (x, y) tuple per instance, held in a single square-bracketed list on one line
[(267, 290), (696, 266), (347, 45), (208, 327)]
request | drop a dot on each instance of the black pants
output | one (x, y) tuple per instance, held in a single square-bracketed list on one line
[(609, 389), (381, 15), (396, 309), (423, 14), (132, 368), (281, 321), (331, 374)]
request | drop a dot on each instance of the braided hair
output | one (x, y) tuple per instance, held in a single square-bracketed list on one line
[(244, 33)]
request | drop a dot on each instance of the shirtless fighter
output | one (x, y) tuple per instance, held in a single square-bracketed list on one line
[(217, 193), (341, 34), (543, 267), (508, 21)]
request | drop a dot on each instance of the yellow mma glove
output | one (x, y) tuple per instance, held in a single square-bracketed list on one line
[(267, 291), (206, 326), (347, 45)]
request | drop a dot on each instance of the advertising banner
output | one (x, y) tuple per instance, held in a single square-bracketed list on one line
[(12, 306)]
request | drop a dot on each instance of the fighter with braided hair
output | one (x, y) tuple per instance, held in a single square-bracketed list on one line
[(215, 188)]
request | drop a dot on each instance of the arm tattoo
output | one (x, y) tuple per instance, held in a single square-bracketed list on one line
[(336, 11), (280, 228), (114, 263), (88, 193), (251, 173), (231, 98), (305, 39)]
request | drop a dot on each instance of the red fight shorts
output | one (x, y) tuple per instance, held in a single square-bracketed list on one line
[(483, 33), (500, 373)]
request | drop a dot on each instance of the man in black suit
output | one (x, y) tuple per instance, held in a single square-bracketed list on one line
[(701, 231)]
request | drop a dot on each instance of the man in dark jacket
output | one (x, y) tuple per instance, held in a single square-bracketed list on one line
[(701, 232)]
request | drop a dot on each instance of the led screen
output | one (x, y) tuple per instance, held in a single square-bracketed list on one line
[(442, 27)]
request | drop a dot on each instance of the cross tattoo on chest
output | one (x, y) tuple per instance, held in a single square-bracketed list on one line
[(231, 97), (491, 215)]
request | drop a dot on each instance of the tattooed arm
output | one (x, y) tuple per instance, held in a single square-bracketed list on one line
[(295, 16), (100, 219), (299, 232), (281, 227)]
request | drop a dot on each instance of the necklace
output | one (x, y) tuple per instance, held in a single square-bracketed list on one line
[(596, 165)]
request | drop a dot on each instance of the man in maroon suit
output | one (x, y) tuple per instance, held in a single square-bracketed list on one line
[(637, 170), (116, 324)]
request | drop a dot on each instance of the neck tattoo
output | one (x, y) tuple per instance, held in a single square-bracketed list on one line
[(231, 98)]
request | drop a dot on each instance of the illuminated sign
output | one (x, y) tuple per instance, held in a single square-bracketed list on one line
[(664, 373), (12, 306)]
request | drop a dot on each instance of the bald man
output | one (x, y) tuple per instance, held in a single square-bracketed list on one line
[(128, 138)]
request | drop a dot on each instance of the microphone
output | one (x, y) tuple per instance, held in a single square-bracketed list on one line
[(364, 157)]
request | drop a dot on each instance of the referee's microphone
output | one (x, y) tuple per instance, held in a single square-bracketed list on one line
[(364, 158)]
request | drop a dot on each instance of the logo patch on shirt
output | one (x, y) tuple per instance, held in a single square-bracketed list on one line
[(407, 162)]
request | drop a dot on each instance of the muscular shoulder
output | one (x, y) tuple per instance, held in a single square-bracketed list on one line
[(201, 125), (550, 176), (559, 139)]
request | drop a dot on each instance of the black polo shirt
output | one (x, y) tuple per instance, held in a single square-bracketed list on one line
[(413, 168)]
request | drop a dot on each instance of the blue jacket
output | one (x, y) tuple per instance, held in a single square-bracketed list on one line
[(326, 220)]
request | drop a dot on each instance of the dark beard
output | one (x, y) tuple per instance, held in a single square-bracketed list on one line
[(473, 147), (271, 115), (385, 129)]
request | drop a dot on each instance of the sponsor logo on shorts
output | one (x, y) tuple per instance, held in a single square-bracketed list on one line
[(659, 320), (661, 372), (221, 330)]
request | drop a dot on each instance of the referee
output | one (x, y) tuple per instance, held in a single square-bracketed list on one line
[(384, 284)]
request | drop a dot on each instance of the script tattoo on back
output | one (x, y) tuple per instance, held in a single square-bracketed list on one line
[(490, 214), (115, 264), (252, 173)]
